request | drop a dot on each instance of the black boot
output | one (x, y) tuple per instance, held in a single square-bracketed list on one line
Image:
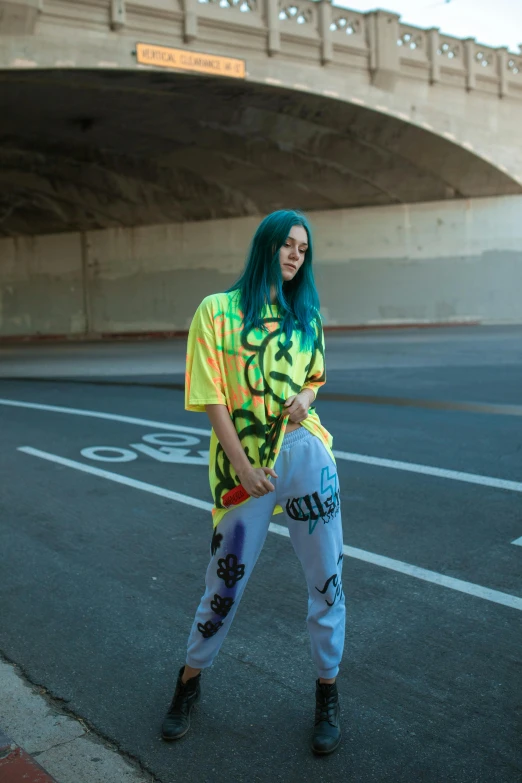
[(177, 720), (327, 729)]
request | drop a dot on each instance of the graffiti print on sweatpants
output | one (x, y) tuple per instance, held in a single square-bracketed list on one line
[(231, 571), (333, 587), (324, 505)]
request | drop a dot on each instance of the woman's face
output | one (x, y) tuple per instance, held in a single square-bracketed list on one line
[(292, 254)]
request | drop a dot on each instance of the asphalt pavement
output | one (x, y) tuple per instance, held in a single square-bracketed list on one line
[(102, 562)]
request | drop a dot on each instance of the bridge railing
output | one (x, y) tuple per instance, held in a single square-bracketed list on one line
[(464, 63), (305, 31), (375, 41)]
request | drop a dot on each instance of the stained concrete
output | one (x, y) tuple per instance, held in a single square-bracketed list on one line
[(41, 285), (443, 262)]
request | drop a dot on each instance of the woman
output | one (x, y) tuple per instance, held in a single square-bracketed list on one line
[(255, 361)]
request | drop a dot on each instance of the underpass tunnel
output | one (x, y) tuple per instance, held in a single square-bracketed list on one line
[(86, 150), (127, 196)]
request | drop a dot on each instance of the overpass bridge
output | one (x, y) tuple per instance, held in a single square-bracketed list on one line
[(126, 124)]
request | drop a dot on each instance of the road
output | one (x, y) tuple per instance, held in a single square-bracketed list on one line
[(102, 559)]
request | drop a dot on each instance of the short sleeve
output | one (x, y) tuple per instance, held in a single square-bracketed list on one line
[(203, 374), (316, 374)]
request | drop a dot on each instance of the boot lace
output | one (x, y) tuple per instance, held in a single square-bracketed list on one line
[(325, 709), (180, 700)]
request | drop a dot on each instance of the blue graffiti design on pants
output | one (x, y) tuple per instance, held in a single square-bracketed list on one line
[(231, 571), (311, 508)]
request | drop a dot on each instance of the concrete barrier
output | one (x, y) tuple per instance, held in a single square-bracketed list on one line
[(436, 263)]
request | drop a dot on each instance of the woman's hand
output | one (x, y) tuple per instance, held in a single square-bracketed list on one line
[(298, 404), (255, 481)]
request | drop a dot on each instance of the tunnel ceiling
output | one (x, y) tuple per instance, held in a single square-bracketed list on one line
[(87, 150)]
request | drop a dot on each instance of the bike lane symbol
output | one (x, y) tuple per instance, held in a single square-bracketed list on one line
[(167, 447)]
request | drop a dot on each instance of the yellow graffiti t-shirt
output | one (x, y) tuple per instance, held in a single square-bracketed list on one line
[(253, 375)]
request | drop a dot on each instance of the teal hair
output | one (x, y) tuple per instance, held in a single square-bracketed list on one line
[(298, 298)]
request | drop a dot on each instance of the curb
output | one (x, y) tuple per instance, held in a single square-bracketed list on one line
[(42, 741), (16, 766), (101, 337)]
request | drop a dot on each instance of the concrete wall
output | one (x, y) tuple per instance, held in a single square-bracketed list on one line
[(440, 262), (427, 263), (41, 286)]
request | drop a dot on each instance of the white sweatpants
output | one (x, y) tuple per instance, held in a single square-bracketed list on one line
[(307, 488)]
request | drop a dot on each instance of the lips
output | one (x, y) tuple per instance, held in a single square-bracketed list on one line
[(291, 266)]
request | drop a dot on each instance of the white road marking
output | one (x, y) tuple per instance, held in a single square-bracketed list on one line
[(162, 450), (170, 439), (456, 475), (172, 455), (487, 594), (118, 478), (517, 541), (109, 454), (109, 416)]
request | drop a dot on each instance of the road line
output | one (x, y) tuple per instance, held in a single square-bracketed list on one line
[(109, 416), (118, 478), (485, 593), (490, 409), (455, 475), (517, 541), (411, 467)]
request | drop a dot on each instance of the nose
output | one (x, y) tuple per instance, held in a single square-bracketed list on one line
[(294, 253)]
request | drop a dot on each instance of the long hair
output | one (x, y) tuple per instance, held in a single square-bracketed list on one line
[(298, 298)]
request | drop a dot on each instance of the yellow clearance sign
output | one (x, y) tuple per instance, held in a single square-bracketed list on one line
[(181, 59)]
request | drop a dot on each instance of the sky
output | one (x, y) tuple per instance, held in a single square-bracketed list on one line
[(497, 23)]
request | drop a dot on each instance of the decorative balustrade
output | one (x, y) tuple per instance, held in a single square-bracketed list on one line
[(450, 49), (348, 33), (315, 33), (485, 58), (346, 23), (411, 38), (412, 45), (245, 6), (297, 13), (514, 65)]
